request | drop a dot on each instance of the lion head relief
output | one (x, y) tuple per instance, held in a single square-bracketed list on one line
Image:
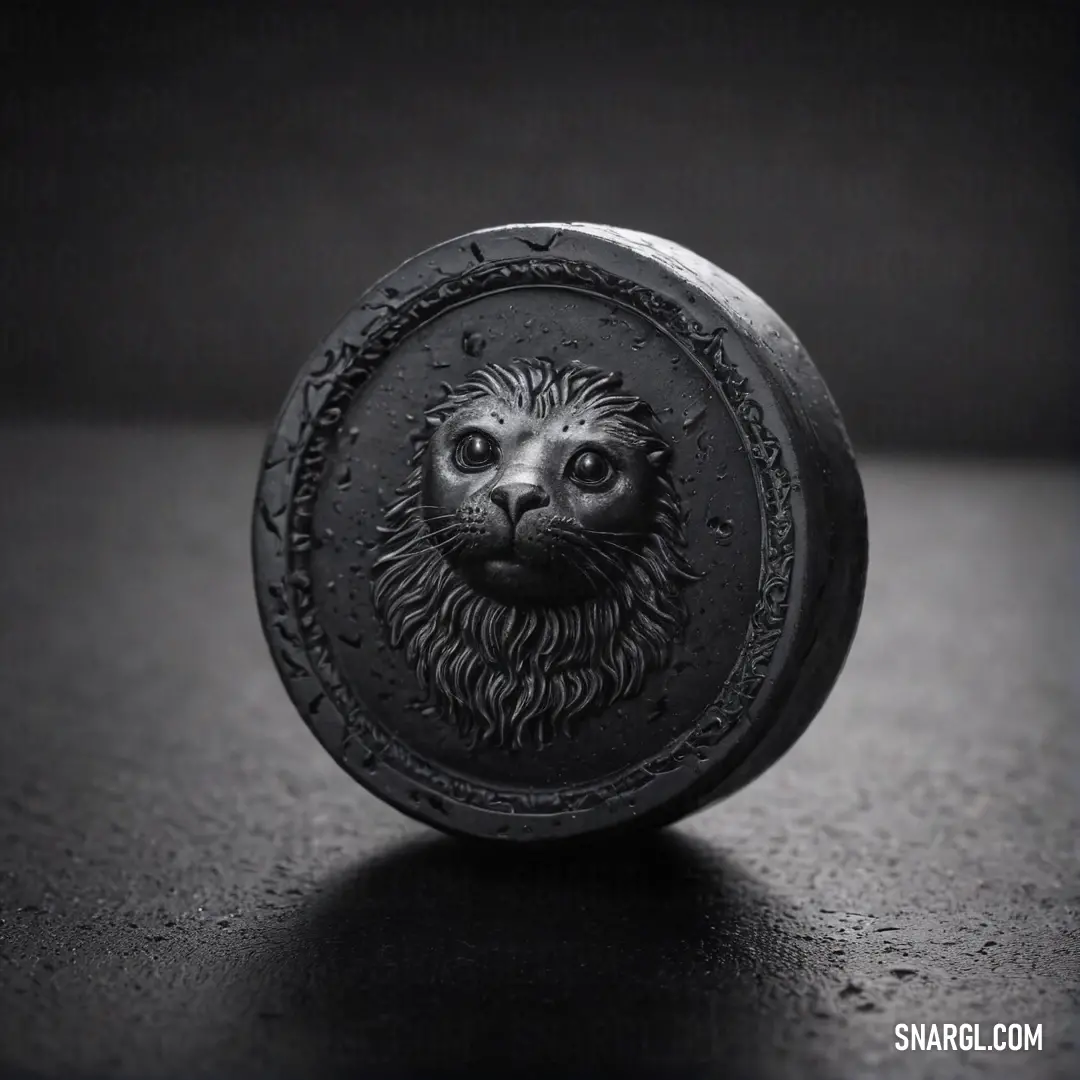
[(532, 567)]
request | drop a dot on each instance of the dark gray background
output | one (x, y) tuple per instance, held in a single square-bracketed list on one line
[(192, 197)]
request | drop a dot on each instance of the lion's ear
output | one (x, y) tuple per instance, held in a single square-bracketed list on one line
[(659, 458)]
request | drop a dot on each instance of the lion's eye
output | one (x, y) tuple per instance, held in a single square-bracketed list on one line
[(475, 451), (590, 469)]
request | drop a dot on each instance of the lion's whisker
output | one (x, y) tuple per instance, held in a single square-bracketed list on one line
[(423, 535), (614, 560), (586, 564), (619, 547), (431, 534), (582, 532), (611, 532), (603, 573), (419, 519), (569, 532), (586, 544), (591, 549), (408, 547), (420, 511), (450, 546)]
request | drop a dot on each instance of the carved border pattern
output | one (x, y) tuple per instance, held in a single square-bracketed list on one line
[(326, 394)]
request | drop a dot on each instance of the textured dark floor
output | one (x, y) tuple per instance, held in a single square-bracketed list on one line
[(190, 887)]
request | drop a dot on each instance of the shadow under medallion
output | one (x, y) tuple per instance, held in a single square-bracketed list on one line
[(709, 471), (676, 956)]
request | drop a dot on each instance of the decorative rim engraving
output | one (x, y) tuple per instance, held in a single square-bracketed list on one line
[(325, 395)]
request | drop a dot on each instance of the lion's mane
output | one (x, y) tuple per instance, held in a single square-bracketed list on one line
[(510, 675)]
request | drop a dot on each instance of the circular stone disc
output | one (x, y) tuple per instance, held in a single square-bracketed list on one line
[(559, 531)]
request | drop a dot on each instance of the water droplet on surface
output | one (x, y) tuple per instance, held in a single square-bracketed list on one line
[(473, 343), (693, 416), (722, 528)]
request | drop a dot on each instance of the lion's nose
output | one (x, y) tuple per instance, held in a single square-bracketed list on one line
[(516, 498)]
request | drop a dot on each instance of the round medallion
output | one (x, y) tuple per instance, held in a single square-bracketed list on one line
[(559, 531)]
